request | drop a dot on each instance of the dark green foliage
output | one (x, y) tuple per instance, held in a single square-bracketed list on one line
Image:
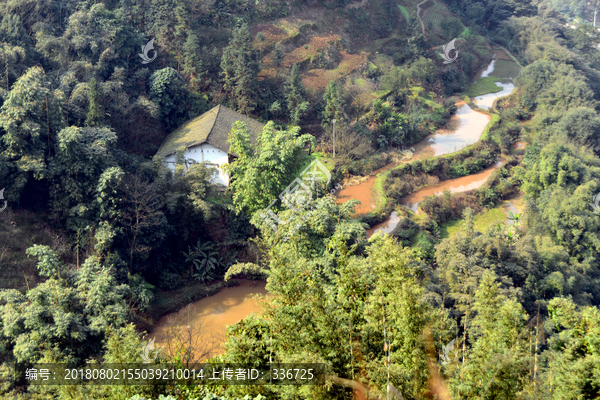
[(193, 64), (167, 90), (239, 70), (451, 28), (170, 281), (294, 95), (334, 104)]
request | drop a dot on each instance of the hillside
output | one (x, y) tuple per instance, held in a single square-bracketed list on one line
[(414, 217)]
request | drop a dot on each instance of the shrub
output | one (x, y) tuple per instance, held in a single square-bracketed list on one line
[(169, 280)]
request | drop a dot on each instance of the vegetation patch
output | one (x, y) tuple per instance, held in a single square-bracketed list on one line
[(483, 86), (18, 231), (434, 15), (311, 49), (482, 222), (272, 34), (505, 69), (405, 13), (316, 80)]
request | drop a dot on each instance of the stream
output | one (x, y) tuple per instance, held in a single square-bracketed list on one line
[(464, 129)]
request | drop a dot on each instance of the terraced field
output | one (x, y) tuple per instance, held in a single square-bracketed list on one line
[(317, 79)]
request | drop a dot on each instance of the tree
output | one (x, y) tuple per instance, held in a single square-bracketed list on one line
[(294, 95), (497, 362), (82, 156), (334, 104), (63, 319), (278, 53), (395, 80), (260, 37), (30, 118), (261, 172), (239, 69), (451, 27), (167, 90), (143, 221), (193, 65), (95, 115)]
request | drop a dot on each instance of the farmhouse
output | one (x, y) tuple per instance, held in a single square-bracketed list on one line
[(205, 140)]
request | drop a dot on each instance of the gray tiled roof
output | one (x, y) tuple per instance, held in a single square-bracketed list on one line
[(212, 127)]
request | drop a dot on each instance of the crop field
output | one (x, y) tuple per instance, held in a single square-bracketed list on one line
[(311, 49), (277, 32), (316, 80), (505, 69), (484, 86)]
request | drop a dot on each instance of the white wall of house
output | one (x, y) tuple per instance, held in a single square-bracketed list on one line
[(206, 153)]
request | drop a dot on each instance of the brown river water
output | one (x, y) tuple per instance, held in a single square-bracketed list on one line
[(201, 325), (464, 129), (457, 185)]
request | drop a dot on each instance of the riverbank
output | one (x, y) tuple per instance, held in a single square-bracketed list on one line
[(502, 69)]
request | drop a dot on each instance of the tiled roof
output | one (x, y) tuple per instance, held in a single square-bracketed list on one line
[(212, 127)]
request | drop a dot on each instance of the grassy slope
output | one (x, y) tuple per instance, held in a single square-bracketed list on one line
[(482, 222), (484, 86)]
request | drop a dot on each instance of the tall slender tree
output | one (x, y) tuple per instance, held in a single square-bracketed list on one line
[(239, 69), (294, 95)]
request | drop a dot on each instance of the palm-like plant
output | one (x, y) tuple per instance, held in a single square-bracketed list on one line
[(207, 261)]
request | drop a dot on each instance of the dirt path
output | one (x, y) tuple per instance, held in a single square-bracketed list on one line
[(419, 15)]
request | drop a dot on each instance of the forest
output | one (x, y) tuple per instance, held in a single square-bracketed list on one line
[(101, 238)]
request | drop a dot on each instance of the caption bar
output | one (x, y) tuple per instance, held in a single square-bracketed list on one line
[(152, 374)]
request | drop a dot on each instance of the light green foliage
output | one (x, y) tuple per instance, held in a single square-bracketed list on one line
[(262, 172), (29, 118), (95, 115), (497, 358), (574, 356), (65, 317), (332, 301)]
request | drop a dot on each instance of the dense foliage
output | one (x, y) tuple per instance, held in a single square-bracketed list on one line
[(507, 312)]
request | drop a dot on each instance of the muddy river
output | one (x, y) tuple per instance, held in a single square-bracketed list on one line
[(457, 185), (463, 184), (464, 129), (201, 325)]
